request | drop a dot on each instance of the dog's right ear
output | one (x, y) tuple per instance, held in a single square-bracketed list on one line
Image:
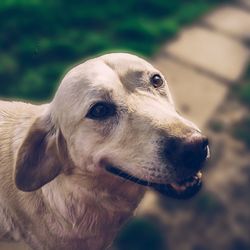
[(37, 160)]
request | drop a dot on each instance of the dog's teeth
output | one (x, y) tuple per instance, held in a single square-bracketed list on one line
[(199, 174), (208, 152), (189, 182)]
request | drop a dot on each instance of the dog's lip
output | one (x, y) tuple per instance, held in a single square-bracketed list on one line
[(183, 189)]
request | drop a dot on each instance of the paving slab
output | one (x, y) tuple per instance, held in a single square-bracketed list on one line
[(13, 246), (210, 51), (231, 20), (196, 95), (245, 3)]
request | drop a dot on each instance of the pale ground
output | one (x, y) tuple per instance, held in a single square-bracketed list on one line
[(200, 66)]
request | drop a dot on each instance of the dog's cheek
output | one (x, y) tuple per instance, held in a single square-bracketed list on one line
[(81, 146)]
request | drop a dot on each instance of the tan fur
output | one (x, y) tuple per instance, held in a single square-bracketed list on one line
[(54, 192)]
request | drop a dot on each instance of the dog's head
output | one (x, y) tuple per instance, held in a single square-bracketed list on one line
[(114, 115)]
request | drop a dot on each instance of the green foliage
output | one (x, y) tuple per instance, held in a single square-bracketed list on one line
[(140, 234), (216, 126), (40, 39), (244, 93), (208, 204), (243, 90), (242, 130)]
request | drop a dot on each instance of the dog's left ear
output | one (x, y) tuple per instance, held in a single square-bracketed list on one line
[(37, 161)]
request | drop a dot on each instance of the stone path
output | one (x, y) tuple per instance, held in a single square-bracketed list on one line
[(211, 52), (231, 21), (204, 59), (200, 64)]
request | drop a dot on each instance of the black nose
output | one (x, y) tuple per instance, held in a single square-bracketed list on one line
[(188, 153)]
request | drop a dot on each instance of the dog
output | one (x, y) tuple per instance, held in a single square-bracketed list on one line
[(73, 171)]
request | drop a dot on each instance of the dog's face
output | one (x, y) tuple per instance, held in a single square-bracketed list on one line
[(116, 116)]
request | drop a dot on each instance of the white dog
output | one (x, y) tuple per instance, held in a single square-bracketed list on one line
[(73, 171)]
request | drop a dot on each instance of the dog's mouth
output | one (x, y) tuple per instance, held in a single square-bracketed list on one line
[(183, 189)]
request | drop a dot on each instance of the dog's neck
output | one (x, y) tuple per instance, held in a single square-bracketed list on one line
[(89, 210)]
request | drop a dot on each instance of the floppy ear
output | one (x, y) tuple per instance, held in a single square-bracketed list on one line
[(37, 161)]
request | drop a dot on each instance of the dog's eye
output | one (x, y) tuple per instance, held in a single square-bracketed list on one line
[(101, 111), (156, 80)]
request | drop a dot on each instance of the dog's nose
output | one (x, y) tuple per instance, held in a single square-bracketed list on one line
[(188, 152)]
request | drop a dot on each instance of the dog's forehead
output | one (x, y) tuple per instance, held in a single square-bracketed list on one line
[(122, 78), (131, 70), (112, 72), (122, 63)]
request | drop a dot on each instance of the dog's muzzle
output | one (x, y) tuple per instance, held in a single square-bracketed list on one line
[(186, 156)]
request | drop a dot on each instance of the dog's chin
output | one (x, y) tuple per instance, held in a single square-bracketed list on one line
[(184, 189)]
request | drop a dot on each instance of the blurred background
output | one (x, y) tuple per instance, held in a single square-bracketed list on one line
[(202, 47)]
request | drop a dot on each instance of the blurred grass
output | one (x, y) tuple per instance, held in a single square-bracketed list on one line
[(41, 39), (207, 204), (243, 90), (216, 126), (140, 234), (241, 129)]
